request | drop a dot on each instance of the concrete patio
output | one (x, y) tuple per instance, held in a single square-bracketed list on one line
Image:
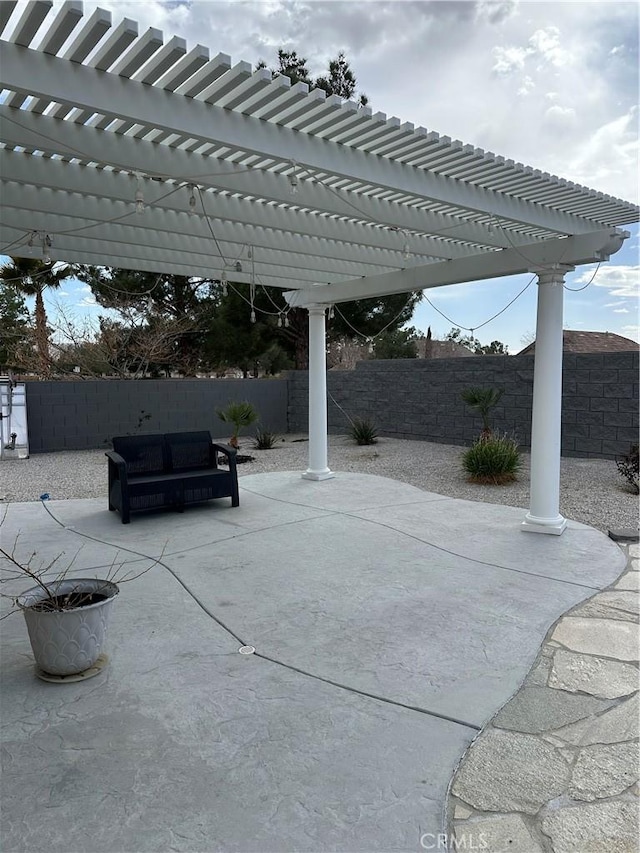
[(389, 623)]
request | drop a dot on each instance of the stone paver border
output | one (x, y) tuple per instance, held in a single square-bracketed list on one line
[(556, 769)]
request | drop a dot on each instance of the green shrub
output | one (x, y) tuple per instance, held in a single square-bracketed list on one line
[(492, 460), (240, 415), (483, 400), (265, 439), (628, 466), (363, 431)]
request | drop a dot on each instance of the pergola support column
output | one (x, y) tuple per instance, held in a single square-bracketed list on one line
[(318, 468), (544, 508)]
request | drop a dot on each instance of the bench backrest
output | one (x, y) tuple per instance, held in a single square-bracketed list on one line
[(189, 451), (144, 454)]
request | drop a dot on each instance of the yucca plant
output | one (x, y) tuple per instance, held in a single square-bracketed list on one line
[(240, 414), (363, 431), (493, 461), (629, 467), (483, 400), (265, 439)]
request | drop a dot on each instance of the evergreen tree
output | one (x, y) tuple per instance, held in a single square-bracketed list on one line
[(174, 309), (14, 327), (31, 277), (472, 343)]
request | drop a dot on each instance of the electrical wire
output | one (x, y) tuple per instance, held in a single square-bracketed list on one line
[(584, 287), (480, 325), (371, 338)]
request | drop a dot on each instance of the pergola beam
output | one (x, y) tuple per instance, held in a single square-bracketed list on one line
[(37, 74), (87, 182), (582, 249), (55, 137), (65, 216)]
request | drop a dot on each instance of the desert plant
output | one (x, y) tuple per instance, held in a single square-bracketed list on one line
[(492, 460), (265, 439), (628, 466), (240, 414), (483, 400), (363, 431)]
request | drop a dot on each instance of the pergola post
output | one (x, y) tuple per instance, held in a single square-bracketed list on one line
[(544, 515), (318, 468)]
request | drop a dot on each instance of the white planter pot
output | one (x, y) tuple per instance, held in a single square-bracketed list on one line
[(67, 642)]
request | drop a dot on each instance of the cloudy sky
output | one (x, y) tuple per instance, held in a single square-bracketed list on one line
[(553, 85)]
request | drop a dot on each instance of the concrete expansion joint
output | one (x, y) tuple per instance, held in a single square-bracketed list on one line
[(556, 769)]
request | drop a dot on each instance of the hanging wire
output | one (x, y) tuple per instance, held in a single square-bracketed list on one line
[(367, 337), (480, 325), (584, 287)]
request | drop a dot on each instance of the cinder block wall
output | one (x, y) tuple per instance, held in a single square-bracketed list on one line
[(81, 415), (420, 399)]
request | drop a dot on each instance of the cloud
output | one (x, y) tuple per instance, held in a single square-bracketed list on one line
[(621, 280), (88, 302), (621, 311), (632, 332), (560, 118), (495, 11), (608, 156)]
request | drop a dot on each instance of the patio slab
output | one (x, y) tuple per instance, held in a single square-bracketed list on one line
[(379, 655)]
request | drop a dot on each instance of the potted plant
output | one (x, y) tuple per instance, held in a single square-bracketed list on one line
[(66, 617)]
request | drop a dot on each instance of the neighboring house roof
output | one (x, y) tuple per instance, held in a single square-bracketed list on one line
[(428, 348), (576, 341)]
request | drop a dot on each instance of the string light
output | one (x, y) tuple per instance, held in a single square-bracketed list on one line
[(293, 179), (139, 197), (286, 322), (192, 199), (238, 266), (279, 321), (46, 248), (32, 236), (223, 279), (253, 316)]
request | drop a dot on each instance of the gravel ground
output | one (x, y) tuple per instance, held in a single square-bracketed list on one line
[(591, 490)]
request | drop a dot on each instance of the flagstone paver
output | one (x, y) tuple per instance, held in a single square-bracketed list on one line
[(603, 770), (614, 726), (497, 832), (608, 827), (629, 581), (598, 637), (597, 676), (537, 709), (557, 767)]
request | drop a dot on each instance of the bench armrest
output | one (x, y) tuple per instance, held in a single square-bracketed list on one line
[(225, 448), (229, 452), (116, 461)]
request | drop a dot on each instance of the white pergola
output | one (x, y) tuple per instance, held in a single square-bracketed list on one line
[(324, 199)]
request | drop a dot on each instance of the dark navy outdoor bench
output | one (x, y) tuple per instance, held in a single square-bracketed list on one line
[(169, 470)]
